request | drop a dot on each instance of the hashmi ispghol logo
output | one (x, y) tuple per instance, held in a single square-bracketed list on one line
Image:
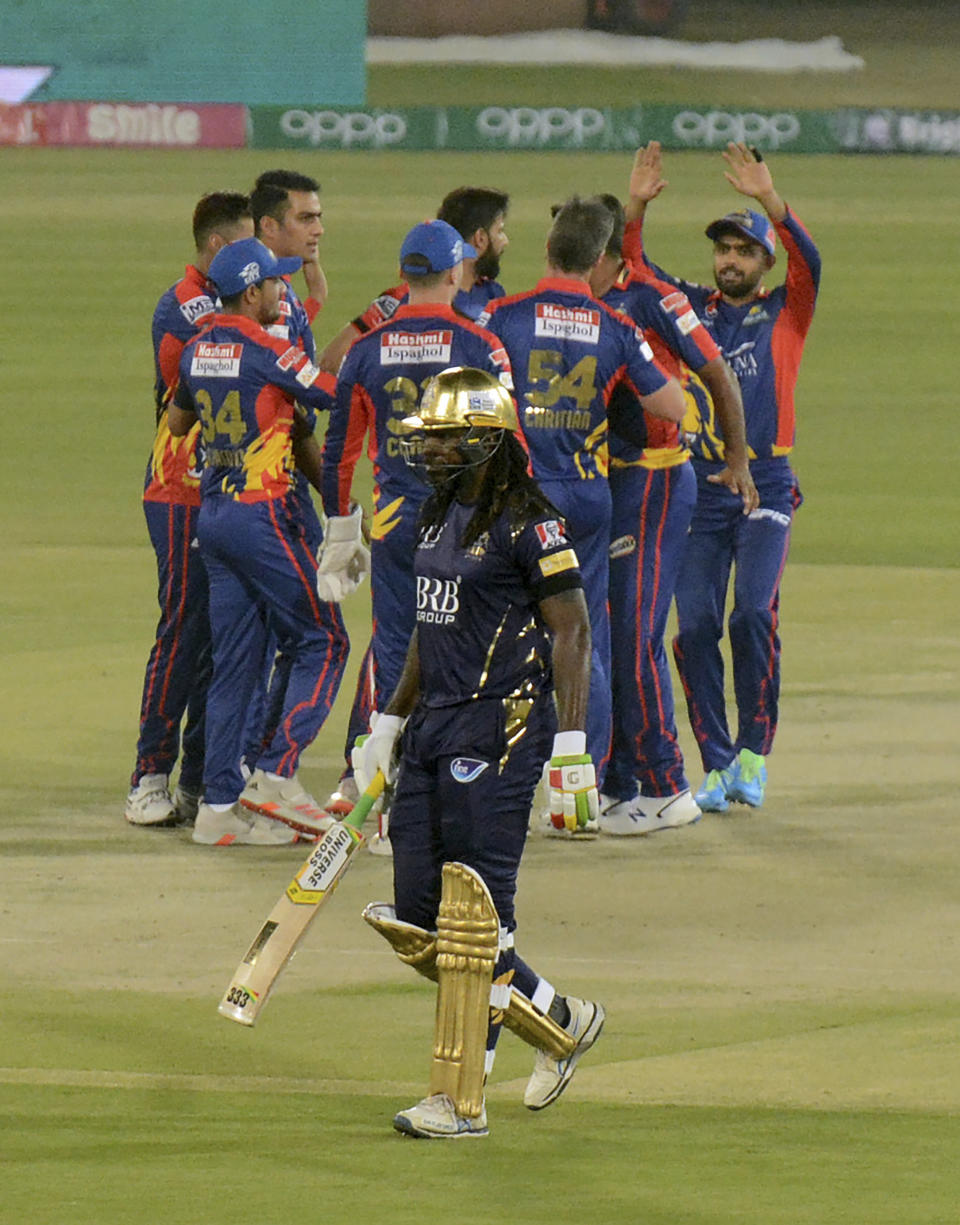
[(401, 348), (212, 361), (568, 323)]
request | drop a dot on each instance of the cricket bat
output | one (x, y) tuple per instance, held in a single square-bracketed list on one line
[(296, 908)]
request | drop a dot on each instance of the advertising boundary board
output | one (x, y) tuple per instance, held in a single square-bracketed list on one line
[(477, 129)]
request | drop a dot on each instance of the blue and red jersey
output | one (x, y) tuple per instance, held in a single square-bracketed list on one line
[(173, 470), (469, 303), (245, 385), (381, 381), (295, 320), (479, 629), (762, 340), (569, 351), (681, 345)]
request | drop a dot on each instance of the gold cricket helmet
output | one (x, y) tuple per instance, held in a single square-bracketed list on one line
[(464, 398)]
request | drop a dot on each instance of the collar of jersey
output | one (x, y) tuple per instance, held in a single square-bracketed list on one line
[(564, 285), (241, 323), (193, 274), (424, 310)]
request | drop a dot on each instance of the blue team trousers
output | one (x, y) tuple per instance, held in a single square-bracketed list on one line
[(393, 592), (756, 546), (651, 514), (585, 506), (178, 670), (462, 797), (262, 579)]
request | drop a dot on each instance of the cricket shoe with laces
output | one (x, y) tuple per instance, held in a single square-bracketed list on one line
[(150, 803), (284, 799), (436, 1118), (713, 793), (187, 804), (341, 802), (645, 814), (238, 826), (749, 782), (550, 1075)]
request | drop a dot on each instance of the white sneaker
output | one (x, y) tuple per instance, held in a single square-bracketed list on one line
[(238, 827), (436, 1118), (551, 1076), (380, 844), (149, 803), (285, 800), (341, 802), (186, 804), (645, 814)]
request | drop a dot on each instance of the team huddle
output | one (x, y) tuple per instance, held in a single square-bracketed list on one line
[(551, 468)]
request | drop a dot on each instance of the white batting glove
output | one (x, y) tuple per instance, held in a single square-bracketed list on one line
[(343, 560), (376, 751), (573, 782)]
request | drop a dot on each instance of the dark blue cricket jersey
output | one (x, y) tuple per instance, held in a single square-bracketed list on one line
[(479, 630)]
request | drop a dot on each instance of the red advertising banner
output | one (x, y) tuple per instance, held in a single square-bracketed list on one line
[(139, 125)]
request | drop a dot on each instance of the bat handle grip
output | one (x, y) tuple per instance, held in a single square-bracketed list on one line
[(358, 814)]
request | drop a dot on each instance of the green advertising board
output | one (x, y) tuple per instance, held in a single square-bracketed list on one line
[(878, 130)]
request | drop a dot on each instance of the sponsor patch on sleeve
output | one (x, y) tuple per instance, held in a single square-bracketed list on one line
[(556, 563), (307, 375), (688, 322), (195, 309), (288, 359), (551, 533)]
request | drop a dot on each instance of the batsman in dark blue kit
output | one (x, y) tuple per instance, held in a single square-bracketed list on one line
[(498, 660)]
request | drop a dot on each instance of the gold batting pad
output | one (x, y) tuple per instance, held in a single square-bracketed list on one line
[(468, 932), (536, 1028), (413, 945)]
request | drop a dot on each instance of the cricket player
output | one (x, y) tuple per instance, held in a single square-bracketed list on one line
[(498, 662), (380, 383), (478, 214), (568, 352), (653, 491), (245, 386), (178, 670), (761, 333)]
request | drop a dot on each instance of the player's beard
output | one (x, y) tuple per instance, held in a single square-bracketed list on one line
[(736, 285), (487, 265)]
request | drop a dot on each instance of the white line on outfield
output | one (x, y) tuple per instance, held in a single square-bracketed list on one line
[(100, 1078)]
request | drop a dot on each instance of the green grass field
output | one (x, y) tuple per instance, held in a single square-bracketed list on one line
[(782, 986)]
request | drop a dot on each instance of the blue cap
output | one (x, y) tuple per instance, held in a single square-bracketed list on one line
[(247, 262), (439, 243), (745, 221)]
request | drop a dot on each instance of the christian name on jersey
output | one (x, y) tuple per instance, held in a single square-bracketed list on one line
[(400, 348), (568, 323), (438, 600), (215, 361)]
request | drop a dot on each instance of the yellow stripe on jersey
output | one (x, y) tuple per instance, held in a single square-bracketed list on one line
[(385, 519), (556, 563)]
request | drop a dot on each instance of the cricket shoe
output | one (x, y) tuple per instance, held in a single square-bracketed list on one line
[(436, 1118), (342, 801), (238, 826), (713, 793), (186, 803), (646, 814), (150, 803), (550, 1075), (284, 799), (749, 781)]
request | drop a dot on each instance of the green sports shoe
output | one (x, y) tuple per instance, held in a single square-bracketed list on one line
[(712, 794), (749, 781)]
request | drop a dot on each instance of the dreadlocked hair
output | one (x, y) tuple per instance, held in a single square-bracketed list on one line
[(507, 485)]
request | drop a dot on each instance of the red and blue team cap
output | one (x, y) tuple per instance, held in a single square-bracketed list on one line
[(745, 221), (247, 262), (436, 242)]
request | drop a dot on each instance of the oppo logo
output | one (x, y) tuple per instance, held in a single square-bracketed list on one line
[(715, 128), (355, 128), (528, 125)]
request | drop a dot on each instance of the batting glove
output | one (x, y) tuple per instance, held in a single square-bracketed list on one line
[(573, 782), (376, 751), (343, 560)]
